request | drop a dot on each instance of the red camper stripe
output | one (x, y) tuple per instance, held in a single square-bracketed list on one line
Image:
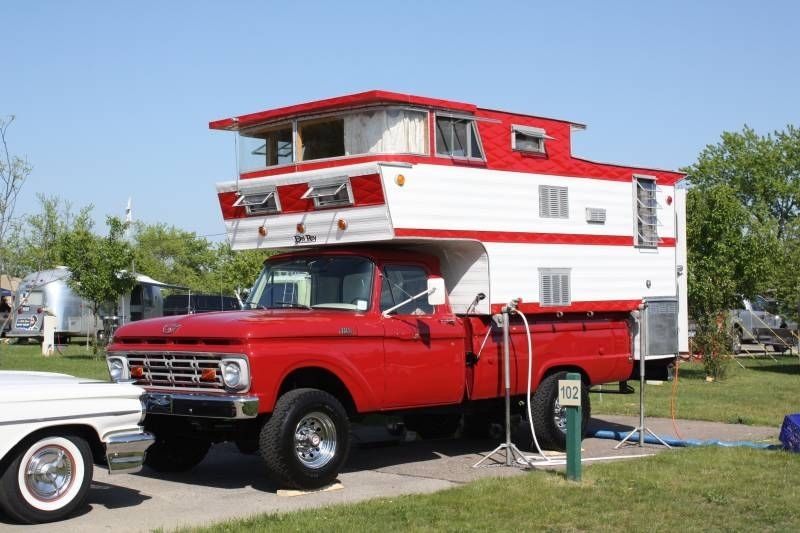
[(527, 238), (367, 191)]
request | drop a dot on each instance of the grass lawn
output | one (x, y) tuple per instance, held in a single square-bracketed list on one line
[(761, 394), (697, 489), (77, 360)]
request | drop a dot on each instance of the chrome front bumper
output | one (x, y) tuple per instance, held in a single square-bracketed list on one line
[(125, 452), (201, 405)]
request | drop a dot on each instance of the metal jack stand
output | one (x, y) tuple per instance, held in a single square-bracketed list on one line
[(641, 429), (514, 457)]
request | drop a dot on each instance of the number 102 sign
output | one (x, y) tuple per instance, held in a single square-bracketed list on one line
[(569, 392)]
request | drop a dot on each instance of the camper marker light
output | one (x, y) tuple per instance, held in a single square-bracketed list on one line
[(669, 200), (400, 180), (301, 228), (342, 224), (262, 231)]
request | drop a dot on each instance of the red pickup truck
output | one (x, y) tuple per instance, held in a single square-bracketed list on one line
[(406, 225), (317, 350)]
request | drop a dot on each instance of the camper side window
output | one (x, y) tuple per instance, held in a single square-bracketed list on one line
[(457, 137), (646, 206), (527, 139)]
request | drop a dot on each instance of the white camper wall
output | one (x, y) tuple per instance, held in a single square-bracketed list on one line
[(499, 206)]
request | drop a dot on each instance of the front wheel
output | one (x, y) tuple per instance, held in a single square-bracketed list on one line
[(549, 418), (47, 480), (306, 440)]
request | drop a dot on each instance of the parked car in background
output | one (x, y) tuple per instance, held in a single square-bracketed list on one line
[(189, 304), (757, 321), (53, 428)]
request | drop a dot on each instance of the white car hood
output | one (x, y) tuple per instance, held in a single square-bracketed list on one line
[(16, 386)]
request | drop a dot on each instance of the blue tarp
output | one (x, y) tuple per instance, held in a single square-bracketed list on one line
[(790, 433)]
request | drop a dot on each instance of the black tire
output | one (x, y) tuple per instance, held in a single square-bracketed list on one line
[(173, 453), (314, 461), (433, 426), (549, 419), (34, 498)]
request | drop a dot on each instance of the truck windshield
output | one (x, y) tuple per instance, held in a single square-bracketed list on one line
[(314, 282)]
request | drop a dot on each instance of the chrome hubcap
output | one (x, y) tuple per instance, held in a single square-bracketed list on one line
[(315, 440), (49, 473), (560, 416)]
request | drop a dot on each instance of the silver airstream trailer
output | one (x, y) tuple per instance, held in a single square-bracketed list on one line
[(47, 292)]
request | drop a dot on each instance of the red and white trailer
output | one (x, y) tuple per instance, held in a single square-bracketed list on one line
[(492, 202)]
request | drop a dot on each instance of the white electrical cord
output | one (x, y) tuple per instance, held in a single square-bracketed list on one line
[(530, 375)]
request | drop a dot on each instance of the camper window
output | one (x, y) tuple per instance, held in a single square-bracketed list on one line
[(527, 139), (265, 147), (260, 203), (646, 212), (330, 193), (321, 138), (457, 137)]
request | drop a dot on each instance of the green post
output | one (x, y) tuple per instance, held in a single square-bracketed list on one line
[(574, 437)]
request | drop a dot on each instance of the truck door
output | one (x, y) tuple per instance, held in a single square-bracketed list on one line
[(424, 356)]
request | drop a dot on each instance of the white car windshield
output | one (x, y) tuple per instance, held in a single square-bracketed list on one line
[(332, 282)]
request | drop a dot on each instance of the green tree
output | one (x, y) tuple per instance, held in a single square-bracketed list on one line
[(743, 234), (236, 270), (727, 252), (14, 171), (173, 255), (98, 264)]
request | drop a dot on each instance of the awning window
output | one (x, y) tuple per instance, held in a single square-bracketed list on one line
[(330, 193)]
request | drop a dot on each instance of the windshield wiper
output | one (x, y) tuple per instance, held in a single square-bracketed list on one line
[(294, 305)]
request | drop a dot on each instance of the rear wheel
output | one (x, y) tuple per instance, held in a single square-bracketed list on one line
[(48, 479), (306, 440), (549, 418)]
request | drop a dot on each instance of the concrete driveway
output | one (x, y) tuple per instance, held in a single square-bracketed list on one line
[(231, 485)]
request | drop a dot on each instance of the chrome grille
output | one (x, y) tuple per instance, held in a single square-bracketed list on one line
[(181, 370)]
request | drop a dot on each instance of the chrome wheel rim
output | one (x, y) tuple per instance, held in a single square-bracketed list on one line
[(315, 440), (49, 473), (560, 416)]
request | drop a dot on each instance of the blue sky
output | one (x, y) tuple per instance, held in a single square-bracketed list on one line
[(113, 98)]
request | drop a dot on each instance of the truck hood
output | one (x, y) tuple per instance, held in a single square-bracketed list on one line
[(16, 387), (244, 325)]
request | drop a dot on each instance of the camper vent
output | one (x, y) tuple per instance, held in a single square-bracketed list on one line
[(595, 215), (553, 202), (263, 202), (554, 287)]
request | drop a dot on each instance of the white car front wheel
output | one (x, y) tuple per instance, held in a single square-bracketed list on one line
[(47, 480)]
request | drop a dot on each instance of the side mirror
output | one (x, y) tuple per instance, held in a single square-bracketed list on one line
[(436, 291)]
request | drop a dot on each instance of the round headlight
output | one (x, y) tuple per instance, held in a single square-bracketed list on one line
[(116, 369), (231, 374)]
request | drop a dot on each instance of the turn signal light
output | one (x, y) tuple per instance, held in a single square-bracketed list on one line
[(137, 372), (208, 374)]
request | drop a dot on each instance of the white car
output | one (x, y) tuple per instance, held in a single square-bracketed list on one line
[(53, 428)]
